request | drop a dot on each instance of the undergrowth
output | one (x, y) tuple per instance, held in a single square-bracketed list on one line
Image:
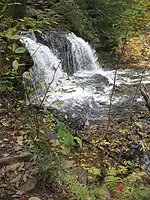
[(51, 150)]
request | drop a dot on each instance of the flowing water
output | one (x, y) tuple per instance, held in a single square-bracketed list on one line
[(75, 81)]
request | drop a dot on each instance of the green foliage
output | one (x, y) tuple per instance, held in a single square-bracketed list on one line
[(12, 51), (80, 191), (46, 162), (103, 22), (65, 135), (6, 86), (112, 179), (130, 187), (75, 18)]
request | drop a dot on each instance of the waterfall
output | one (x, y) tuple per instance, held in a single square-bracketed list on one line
[(78, 84), (84, 57), (47, 67)]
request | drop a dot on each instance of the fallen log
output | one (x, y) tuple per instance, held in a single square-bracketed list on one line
[(145, 95)]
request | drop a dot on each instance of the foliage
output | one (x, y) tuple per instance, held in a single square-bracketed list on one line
[(6, 86), (130, 187), (104, 23), (46, 162), (67, 136), (135, 49), (13, 54), (80, 191)]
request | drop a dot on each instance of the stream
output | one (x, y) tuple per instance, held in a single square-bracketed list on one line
[(66, 69)]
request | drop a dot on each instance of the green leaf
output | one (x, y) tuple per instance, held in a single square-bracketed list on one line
[(65, 135), (79, 141), (15, 65), (15, 37), (20, 50), (60, 129), (14, 46), (26, 75), (68, 140)]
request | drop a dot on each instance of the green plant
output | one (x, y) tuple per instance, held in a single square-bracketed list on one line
[(45, 161), (6, 86), (65, 135), (130, 187), (111, 179), (80, 191)]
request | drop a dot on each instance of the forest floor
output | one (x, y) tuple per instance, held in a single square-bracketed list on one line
[(20, 176)]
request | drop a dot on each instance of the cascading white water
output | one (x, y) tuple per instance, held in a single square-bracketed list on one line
[(84, 57), (45, 62), (86, 92)]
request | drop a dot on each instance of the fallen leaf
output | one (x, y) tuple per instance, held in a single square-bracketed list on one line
[(68, 164), (34, 198), (12, 168), (64, 150), (5, 140), (5, 155), (2, 145), (55, 143), (20, 140), (16, 179), (25, 176), (28, 186), (21, 167), (6, 124)]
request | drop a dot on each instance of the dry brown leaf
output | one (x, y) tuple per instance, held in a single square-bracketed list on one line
[(20, 140), (55, 143), (6, 124), (34, 198), (12, 168), (21, 167), (25, 176), (64, 150), (28, 186), (68, 164), (5, 155), (16, 179)]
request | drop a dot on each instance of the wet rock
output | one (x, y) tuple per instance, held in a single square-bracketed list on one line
[(58, 42)]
